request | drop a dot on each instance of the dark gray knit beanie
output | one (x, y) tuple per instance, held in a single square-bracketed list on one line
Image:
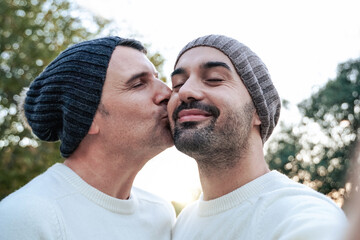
[(61, 102), (254, 75)]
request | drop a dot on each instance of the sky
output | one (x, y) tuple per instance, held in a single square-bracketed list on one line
[(300, 41)]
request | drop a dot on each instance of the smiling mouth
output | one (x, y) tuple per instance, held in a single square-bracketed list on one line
[(192, 115)]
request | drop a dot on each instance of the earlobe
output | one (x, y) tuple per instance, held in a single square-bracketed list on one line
[(94, 128), (256, 119)]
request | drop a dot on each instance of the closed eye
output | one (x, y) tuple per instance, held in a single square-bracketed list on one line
[(138, 85), (178, 85), (214, 81)]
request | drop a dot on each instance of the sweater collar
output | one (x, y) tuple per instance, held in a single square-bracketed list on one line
[(108, 202), (236, 197)]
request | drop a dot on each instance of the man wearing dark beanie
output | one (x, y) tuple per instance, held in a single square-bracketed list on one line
[(223, 108), (103, 100)]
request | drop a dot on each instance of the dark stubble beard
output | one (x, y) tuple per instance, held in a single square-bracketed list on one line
[(216, 146)]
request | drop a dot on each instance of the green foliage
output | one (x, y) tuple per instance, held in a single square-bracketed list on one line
[(32, 34), (158, 62), (338, 100), (318, 150)]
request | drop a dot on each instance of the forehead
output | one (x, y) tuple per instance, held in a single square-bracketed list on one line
[(125, 57), (126, 64), (199, 55)]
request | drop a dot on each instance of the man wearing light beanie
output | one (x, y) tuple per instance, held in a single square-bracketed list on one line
[(223, 108), (103, 100)]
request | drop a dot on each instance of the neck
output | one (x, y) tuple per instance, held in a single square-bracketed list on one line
[(217, 182), (113, 176)]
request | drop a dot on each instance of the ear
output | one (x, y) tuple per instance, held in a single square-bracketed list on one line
[(94, 128), (256, 119)]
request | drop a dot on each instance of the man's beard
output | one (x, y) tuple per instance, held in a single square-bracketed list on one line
[(215, 145)]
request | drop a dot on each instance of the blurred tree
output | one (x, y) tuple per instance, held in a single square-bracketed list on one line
[(158, 60), (317, 151), (32, 33)]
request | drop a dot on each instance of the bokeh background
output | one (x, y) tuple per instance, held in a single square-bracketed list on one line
[(311, 48)]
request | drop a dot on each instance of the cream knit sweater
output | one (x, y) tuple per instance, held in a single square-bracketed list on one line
[(272, 207), (60, 205)]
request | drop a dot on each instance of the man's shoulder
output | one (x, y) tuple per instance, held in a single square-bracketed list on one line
[(292, 208), (301, 215), (35, 199), (153, 201), (150, 198), (299, 200), (24, 204), (38, 198), (27, 216), (46, 185), (288, 192), (143, 195)]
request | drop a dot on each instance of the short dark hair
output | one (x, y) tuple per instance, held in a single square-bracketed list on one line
[(128, 42)]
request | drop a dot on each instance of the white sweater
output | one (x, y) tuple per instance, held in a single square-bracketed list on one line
[(271, 207), (60, 205)]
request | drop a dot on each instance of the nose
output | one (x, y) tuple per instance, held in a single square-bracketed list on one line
[(190, 91), (163, 93)]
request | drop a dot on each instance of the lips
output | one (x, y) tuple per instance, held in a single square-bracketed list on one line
[(192, 115), (194, 111)]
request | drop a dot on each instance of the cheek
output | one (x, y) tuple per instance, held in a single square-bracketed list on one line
[(172, 104)]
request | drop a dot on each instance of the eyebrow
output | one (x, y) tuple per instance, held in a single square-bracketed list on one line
[(209, 65), (178, 71), (206, 65)]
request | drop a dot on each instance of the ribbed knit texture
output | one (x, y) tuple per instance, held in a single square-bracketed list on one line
[(103, 200), (61, 102), (271, 207), (59, 204), (236, 197), (254, 75)]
